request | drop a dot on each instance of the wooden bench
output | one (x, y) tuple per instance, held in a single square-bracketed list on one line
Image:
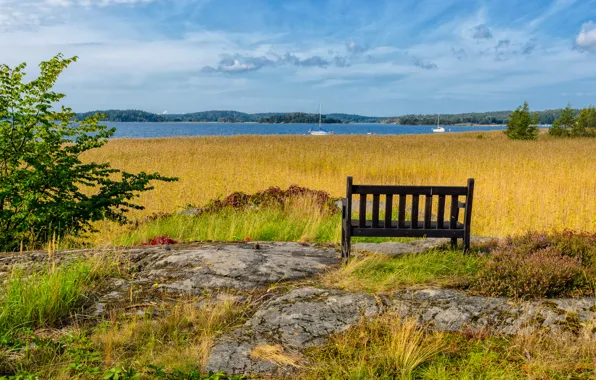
[(425, 225)]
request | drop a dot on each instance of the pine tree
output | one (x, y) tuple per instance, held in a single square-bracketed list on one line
[(565, 124), (522, 125)]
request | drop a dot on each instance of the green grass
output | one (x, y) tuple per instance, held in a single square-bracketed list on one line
[(46, 298), (172, 341), (465, 358), (230, 225), (269, 224), (388, 347), (382, 273)]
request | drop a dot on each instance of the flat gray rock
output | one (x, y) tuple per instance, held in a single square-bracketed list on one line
[(233, 266), (396, 249), (299, 319), (219, 267), (415, 246), (451, 310)]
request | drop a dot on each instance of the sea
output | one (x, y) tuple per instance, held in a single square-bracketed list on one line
[(180, 129)]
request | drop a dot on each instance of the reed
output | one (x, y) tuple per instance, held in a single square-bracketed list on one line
[(545, 185)]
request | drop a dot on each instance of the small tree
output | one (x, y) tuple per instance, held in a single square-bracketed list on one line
[(45, 189), (564, 125), (586, 123), (522, 125)]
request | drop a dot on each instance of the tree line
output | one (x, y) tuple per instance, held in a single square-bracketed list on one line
[(523, 125), (298, 118), (475, 118), (225, 116)]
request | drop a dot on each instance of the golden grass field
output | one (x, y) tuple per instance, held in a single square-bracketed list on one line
[(520, 185)]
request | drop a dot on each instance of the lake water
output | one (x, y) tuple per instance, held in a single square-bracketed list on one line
[(145, 130)]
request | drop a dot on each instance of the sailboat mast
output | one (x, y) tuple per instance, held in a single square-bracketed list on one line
[(320, 110)]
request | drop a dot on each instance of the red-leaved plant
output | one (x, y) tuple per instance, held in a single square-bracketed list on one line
[(160, 240)]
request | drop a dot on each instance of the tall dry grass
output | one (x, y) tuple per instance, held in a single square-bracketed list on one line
[(520, 185)]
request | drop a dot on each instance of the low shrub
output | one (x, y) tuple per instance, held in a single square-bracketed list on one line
[(537, 265), (273, 196)]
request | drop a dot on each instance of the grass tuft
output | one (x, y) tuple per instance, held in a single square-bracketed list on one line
[(381, 348), (49, 297), (276, 354), (383, 273), (181, 339)]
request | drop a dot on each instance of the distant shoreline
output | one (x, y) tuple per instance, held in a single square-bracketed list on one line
[(496, 118), (324, 124)]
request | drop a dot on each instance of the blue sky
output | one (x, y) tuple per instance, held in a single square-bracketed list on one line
[(372, 57)]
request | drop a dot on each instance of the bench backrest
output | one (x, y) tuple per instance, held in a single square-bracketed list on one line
[(400, 193)]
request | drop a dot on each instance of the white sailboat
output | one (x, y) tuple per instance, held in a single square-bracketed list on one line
[(320, 131), (438, 129)]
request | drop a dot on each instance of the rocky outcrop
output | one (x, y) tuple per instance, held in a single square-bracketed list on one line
[(215, 267), (234, 266), (291, 318), (451, 310), (306, 317), (299, 319)]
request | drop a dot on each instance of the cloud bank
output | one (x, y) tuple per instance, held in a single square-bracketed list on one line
[(586, 39), (240, 64)]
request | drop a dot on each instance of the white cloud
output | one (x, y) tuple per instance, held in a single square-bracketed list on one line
[(31, 14), (586, 39), (133, 63)]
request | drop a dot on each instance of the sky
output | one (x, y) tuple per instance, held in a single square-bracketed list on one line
[(370, 57)]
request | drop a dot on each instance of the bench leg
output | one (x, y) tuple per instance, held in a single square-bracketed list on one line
[(345, 232), (453, 243), (466, 243), (345, 246), (343, 243)]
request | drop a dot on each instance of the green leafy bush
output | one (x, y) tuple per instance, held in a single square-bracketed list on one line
[(539, 265), (46, 191)]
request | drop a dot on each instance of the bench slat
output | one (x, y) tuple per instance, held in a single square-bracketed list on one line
[(407, 225), (423, 232), (414, 216), (375, 210), (388, 210), (454, 212), (409, 190), (441, 212), (401, 216), (362, 210), (428, 208)]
